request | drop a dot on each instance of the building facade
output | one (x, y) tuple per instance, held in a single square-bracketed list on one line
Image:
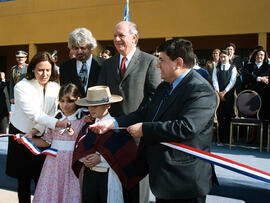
[(36, 25)]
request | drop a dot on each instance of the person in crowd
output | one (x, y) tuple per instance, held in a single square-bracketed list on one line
[(17, 72), (106, 54), (182, 111), (55, 57), (210, 64), (57, 182), (35, 105), (105, 157), (204, 73), (237, 61), (83, 70), (71, 54), (224, 78), (155, 53), (132, 74), (4, 104), (256, 77)]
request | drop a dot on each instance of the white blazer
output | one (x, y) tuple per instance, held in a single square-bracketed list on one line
[(32, 108)]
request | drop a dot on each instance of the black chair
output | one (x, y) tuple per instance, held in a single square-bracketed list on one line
[(247, 107)]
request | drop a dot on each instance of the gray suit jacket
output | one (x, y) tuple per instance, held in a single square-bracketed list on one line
[(186, 118), (139, 82)]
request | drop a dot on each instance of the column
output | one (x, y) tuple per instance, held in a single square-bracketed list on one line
[(32, 51), (262, 40)]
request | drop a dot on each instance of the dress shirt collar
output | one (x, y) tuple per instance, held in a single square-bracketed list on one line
[(107, 117), (88, 64), (129, 57), (179, 79), (227, 66), (258, 64)]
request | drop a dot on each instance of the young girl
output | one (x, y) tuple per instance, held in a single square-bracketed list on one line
[(224, 78), (57, 182)]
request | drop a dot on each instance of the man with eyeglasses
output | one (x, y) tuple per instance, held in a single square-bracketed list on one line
[(83, 70)]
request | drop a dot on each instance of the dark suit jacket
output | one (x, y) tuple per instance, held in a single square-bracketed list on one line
[(4, 100), (249, 76), (68, 73), (139, 82), (186, 118)]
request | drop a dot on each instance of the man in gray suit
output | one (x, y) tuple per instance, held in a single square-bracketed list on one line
[(132, 74)]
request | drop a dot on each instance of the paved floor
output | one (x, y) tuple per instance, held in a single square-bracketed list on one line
[(232, 185)]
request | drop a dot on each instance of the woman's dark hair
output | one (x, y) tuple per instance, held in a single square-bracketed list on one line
[(39, 57), (69, 90), (253, 58)]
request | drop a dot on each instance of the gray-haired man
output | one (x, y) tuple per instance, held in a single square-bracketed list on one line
[(83, 70)]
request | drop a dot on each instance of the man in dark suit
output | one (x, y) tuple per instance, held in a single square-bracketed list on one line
[(83, 70), (4, 104), (182, 110), (132, 74), (237, 61)]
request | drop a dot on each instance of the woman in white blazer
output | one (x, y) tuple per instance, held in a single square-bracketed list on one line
[(36, 99)]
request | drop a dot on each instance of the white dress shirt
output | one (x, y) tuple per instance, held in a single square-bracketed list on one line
[(232, 80), (33, 108), (129, 57)]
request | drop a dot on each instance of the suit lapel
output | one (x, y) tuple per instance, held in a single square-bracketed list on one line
[(132, 64), (73, 71)]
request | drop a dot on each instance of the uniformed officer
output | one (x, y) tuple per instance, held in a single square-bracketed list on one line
[(17, 72)]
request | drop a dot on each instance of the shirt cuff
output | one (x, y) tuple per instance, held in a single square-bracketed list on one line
[(116, 125)]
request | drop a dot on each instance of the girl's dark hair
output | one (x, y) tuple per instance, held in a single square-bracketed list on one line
[(69, 90), (39, 57)]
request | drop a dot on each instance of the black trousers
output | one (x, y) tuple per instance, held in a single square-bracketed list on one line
[(193, 200), (3, 124), (95, 187), (24, 189)]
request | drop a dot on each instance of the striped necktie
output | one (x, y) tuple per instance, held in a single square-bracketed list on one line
[(83, 75)]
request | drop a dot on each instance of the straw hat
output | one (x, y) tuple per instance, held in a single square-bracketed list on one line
[(98, 95)]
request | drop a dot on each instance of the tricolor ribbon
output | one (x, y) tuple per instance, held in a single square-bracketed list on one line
[(221, 161), (31, 146), (206, 156)]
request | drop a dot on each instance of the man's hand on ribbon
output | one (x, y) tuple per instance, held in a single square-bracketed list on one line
[(135, 130), (102, 127)]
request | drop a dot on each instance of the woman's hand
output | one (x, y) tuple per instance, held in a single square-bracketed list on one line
[(92, 160), (264, 79)]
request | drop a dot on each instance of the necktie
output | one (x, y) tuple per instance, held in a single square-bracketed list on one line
[(123, 67), (83, 74), (223, 67), (164, 99)]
